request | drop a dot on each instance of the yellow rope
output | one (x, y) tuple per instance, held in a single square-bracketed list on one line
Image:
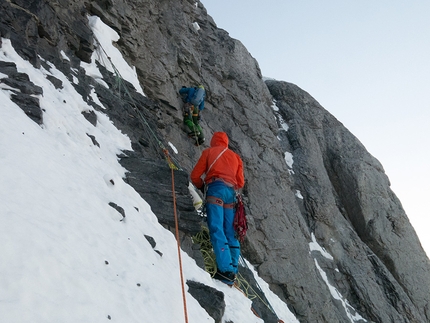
[(202, 238)]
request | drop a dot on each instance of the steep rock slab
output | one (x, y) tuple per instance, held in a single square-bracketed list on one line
[(23, 92), (158, 38), (153, 181), (354, 214), (169, 53)]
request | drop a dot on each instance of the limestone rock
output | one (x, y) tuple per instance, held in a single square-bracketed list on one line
[(355, 216), (329, 220)]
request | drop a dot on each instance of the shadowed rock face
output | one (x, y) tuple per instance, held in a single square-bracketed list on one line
[(371, 253)]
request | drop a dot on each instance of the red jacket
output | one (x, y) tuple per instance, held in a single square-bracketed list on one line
[(228, 167)]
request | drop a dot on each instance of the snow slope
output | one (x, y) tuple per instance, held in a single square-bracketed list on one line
[(66, 256)]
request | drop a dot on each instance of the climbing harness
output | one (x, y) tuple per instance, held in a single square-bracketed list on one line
[(210, 199)]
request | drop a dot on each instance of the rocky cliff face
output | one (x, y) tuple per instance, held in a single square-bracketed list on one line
[(328, 221)]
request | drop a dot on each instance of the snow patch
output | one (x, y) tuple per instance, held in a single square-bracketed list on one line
[(351, 313), (175, 150), (196, 26), (279, 307), (7, 87), (299, 194), (108, 55), (64, 56), (315, 246), (95, 98), (289, 159)]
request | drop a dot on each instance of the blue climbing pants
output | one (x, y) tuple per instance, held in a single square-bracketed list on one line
[(220, 199)]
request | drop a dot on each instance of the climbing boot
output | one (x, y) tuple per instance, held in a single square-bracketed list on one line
[(200, 141), (194, 134), (227, 277)]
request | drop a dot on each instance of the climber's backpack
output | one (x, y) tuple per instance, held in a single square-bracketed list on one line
[(240, 223), (198, 96)]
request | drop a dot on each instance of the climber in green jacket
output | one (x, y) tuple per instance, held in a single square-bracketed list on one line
[(194, 102)]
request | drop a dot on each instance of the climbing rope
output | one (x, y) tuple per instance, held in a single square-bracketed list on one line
[(172, 165), (152, 137), (179, 246)]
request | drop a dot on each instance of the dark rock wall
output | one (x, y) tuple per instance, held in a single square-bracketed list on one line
[(350, 207), (378, 264)]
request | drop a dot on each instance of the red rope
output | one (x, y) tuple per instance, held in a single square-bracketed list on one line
[(179, 247)]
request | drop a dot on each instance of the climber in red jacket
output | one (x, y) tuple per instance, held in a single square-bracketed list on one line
[(222, 172)]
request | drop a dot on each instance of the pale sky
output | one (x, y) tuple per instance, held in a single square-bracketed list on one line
[(367, 62)]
